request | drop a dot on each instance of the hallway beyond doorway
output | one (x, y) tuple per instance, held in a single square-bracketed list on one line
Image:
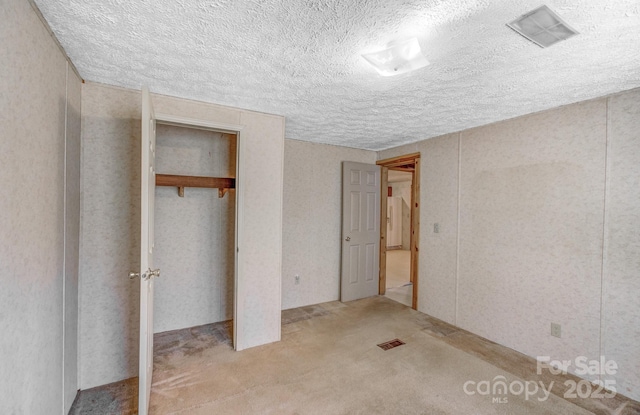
[(398, 284)]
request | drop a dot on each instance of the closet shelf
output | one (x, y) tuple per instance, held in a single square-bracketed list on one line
[(223, 184)]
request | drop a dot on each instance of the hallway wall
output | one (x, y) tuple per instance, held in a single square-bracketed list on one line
[(404, 189)]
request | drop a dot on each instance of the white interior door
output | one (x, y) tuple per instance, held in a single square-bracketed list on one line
[(360, 230), (147, 271)]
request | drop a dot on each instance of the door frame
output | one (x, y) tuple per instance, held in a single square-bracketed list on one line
[(167, 119), (409, 163)]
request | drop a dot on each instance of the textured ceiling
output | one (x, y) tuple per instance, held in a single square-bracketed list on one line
[(301, 59)]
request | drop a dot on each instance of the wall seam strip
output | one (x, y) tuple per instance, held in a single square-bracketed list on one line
[(64, 234), (80, 246), (604, 227), (457, 276)]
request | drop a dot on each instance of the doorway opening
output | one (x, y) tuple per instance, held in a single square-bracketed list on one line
[(399, 286), (399, 228)]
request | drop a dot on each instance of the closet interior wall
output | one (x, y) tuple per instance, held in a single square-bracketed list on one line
[(194, 234)]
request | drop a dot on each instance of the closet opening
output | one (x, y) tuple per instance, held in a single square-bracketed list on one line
[(195, 238)]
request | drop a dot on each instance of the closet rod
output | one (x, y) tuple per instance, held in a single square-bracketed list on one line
[(221, 183)]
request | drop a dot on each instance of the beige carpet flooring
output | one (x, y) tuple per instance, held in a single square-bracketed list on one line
[(328, 363)]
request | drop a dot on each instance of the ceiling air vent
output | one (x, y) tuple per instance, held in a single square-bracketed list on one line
[(542, 26)]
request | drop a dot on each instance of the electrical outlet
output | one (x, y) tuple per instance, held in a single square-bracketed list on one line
[(436, 228), (555, 330), (297, 279)]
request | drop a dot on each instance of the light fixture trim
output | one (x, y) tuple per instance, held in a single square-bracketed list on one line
[(398, 58), (543, 27)]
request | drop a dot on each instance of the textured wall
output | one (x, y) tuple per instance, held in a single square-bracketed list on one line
[(109, 249), (621, 291), (528, 196), (260, 194), (33, 109), (400, 150), (530, 248), (195, 233), (312, 220), (439, 198), (110, 226)]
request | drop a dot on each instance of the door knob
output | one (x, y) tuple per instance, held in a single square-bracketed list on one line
[(348, 238), (146, 275)]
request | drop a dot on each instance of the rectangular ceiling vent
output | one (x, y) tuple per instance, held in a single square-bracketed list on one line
[(542, 26)]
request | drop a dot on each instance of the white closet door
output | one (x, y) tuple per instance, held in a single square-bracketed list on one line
[(147, 272)]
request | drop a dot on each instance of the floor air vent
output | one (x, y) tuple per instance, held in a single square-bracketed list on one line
[(391, 344)]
